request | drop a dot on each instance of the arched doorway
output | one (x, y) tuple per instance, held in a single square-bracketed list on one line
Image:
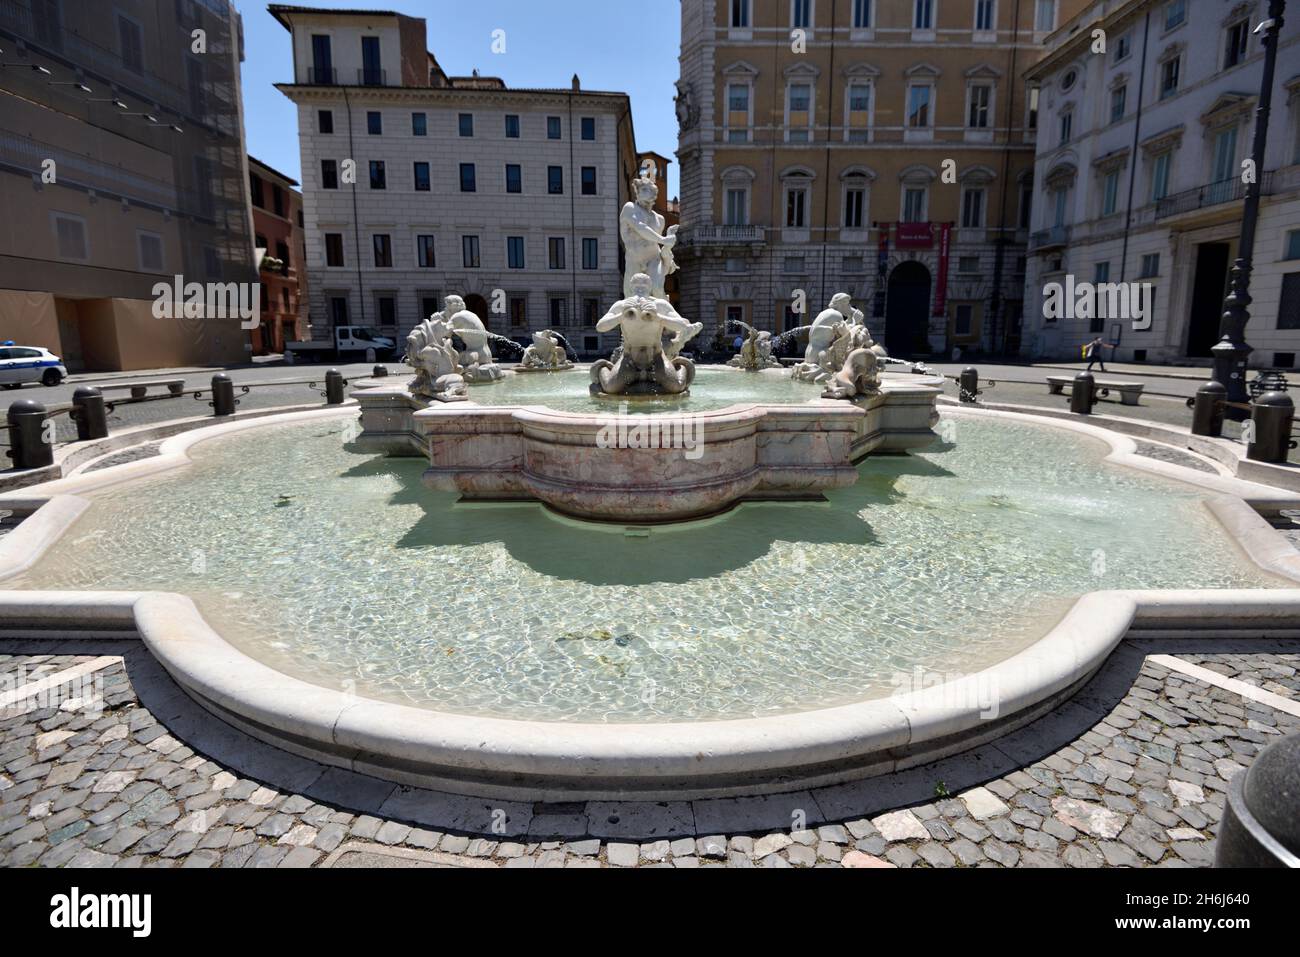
[(907, 310), (478, 305)]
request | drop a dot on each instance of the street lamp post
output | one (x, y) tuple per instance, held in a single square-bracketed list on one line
[(1232, 351)]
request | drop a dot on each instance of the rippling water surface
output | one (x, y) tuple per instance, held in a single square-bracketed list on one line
[(341, 568)]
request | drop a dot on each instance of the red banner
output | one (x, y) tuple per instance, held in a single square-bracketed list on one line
[(915, 236), (941, 281)]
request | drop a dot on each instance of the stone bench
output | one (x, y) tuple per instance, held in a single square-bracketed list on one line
[(1129, 392), (140, 389)]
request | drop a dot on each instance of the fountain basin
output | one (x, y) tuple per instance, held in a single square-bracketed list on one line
[(622, 465)]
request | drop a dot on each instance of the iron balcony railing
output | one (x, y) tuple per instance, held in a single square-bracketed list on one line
[(1050, 237), (715, 234), (322, 76), (1211, 194), (372, 77)]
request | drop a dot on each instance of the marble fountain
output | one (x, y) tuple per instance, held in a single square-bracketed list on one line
[(642, 578)]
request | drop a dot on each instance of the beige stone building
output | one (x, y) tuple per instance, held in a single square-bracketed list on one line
[(880, 147), (122, 165)]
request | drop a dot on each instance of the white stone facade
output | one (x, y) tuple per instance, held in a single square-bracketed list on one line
[(1182, 159)]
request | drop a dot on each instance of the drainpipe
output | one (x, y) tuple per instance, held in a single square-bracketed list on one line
[(575, 183), (826, 190), (356, 216), (999, 249), (1133, 159)]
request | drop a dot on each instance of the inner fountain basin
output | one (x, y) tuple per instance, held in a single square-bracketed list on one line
[(934, 588), (737, 436)]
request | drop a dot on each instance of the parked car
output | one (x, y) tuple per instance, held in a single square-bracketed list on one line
[(22, 364), (350, 342)]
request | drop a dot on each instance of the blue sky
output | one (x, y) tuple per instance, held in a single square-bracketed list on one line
[(611, 45)]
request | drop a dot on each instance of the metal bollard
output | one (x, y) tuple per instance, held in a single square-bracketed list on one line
[(1082, 393), (969, 384), (1270, 434), (31, 441), (223, 395), (379, 372), (89, 413), (1259, 827), (1208, 409), (334, 383)]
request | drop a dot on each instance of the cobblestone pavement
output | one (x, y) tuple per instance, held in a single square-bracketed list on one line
[(1131, 772)]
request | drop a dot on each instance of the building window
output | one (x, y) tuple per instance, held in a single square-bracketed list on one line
[(130, 37), (383, 244), (554, 130), (150, 249), (1123, 46), (378, 175), (799, 112), (1175, 13), (419, 124), (277, 200), (555, 252), (465, 124), (1045, 16), (862, 14), (968, 264), (514, 178), (1234, 51), (256, 191), (1118, 103), (325, 121), (963, 319), (469, 252), (1288, 310), (859, 119), (386, 307), (1292, 245), (372, 73), (981, 98), (338, 311), (737, 209), (740, 13), (555, 180), (329, 174), (801, 14), (422, 177), (333, 249), (375, 123), (322, 60), (1031, 108), (1150, 266), (984, 15), (1225, 155), (518, 307), (1110, 192), (1026, 203), (468, 183), (1059, 198), (922, 14), (1169, 77), (1160, 175), (428, 305), (914, 204), (972, 208), (559, 311), (591, 254), (918, 105), (738, 112), (424, 253), (1066, 125), (855, 202), (589, 181), (512, 126), (515, 252), (589, 128), (282, 254), (796, 207)]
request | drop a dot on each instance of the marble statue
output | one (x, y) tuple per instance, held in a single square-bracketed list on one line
[(648, 249), (644, 365), (860, 375), (756, 353), (437, 366), (545, 354), (476, 359), (837, 331)]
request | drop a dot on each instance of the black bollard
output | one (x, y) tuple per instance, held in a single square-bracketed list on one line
[(89, 413), (334, 383), (1207, 409), (1082, 393), (969, 384), (31, 442), (1260, 827), (1270, 432), (379, 372), (223, 395)]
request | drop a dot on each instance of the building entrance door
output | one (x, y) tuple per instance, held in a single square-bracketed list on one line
[(1208, 289), (907, 310)]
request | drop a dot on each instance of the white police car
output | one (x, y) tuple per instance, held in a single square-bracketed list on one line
[(19, 364)]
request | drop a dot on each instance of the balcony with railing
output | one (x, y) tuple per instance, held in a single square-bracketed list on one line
[(1211, 194), (371, 76), (721, 235), (322, 76), (1053, 237)]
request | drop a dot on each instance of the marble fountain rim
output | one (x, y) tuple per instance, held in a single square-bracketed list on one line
[(540, 760)]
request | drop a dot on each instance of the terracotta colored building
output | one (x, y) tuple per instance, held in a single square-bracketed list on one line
[(277, 229)]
